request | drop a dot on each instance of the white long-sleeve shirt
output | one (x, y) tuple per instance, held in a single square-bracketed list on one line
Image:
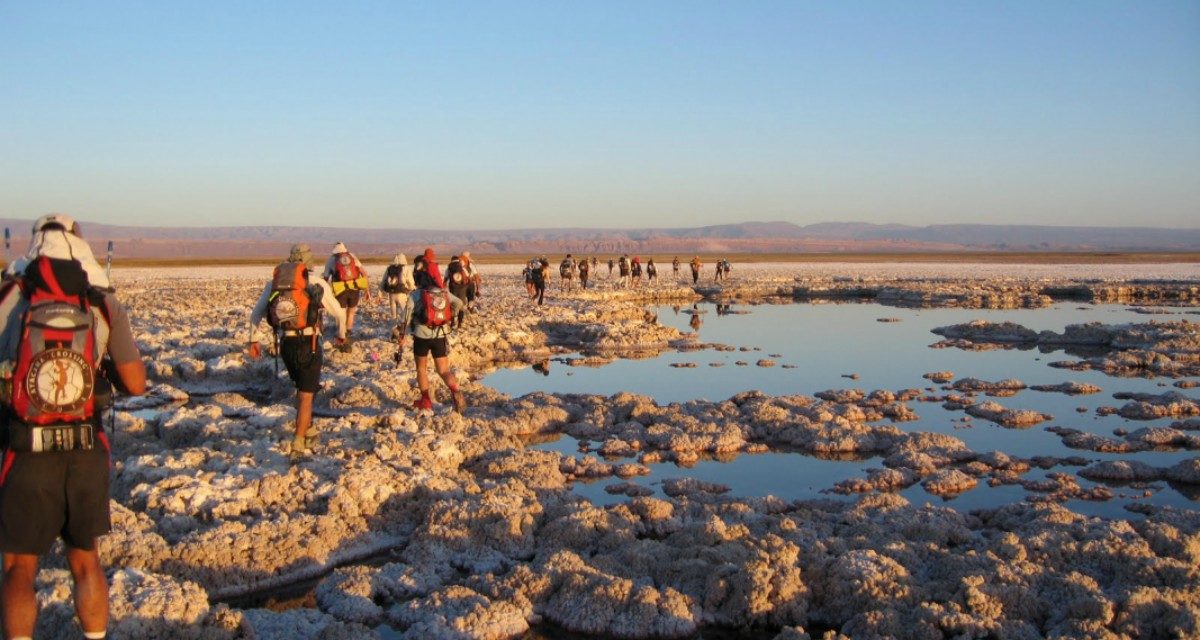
[(328, 302)]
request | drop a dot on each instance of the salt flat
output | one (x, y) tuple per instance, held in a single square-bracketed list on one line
[(452, 526)]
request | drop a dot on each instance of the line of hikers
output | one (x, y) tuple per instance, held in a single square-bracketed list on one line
[(424, 304), (629, 272)]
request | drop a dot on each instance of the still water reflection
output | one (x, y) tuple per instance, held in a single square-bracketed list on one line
[(865, 346)]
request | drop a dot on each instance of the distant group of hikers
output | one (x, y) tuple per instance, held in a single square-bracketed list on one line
[(629, 272)]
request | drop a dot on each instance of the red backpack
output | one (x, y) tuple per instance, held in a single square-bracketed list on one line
[(54, 375), (435, 310), (346, 267)]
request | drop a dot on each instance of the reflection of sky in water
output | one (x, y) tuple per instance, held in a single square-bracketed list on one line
[(825, 343)]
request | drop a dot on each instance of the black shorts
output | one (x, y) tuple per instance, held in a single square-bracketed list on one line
[(303, 362), (348, 298), (423, 346), (51, 494)]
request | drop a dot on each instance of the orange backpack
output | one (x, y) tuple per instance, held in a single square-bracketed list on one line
[(291, 306)]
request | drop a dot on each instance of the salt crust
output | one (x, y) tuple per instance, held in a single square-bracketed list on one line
[(484, 537)]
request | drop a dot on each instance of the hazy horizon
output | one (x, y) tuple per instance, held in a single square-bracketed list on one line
[(615, 116)]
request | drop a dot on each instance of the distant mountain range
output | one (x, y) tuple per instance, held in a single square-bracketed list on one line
[(746, 237)]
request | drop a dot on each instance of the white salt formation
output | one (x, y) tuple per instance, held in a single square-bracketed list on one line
[(453, 527)]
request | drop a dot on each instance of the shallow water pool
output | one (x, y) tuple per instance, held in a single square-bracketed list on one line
[(841, 346)]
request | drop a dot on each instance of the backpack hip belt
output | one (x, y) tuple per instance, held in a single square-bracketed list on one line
[(29, 438), (291, 333)]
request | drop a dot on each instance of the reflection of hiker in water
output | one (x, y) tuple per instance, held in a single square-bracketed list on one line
[(695, 322), (723, 309), (542, 367)]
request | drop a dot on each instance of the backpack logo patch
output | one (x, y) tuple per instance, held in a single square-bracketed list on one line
[(59, 381), (435, 308)]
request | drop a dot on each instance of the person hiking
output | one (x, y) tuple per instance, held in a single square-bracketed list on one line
[(695, 264), (610, 268), (623, 271), (635, 272), (397, 283), (540, 273), (54, 481), (345, 273), (584, 270), (292, 303), (431, 267), (675, 268), (432, 308), (651, 271), (474, 281), (566, 270), (458, 283), (528, 273)]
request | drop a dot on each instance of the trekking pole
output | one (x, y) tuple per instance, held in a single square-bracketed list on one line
[(7, 245), (108, 264)]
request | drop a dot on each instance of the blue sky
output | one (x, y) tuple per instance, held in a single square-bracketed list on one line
[(601, 114)]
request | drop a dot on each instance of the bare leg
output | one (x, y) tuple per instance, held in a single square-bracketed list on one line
[(422, 363), (443, 369), (91, 589), (350, 318), (19, 600), (304, 403)]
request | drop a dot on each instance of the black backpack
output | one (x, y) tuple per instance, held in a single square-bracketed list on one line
[(393, 281)]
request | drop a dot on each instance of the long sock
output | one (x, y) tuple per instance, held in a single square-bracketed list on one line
[(453, 388)]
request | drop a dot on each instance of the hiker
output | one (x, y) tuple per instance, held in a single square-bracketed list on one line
[(528, 273), (610, 268), (292, 303), (725, 265), (675, 268), (651, 271), (695, 264), (431, 267), (584, 270), (397, 283), (623, 271), (635, 271), (566, 269), (541, 272), (345, 273), (458, 283), (473, 279), (431, 310), (54, 480)]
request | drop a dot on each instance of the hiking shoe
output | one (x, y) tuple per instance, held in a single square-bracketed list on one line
[(423, 405), (299, 449), (460, 402)]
